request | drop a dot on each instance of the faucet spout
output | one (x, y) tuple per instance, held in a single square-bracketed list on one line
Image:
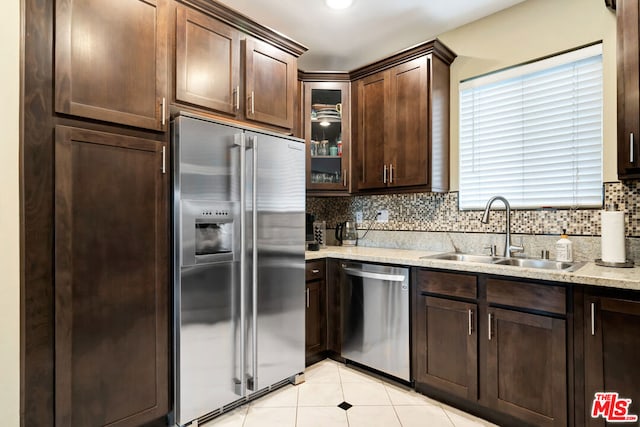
[(508, 247)]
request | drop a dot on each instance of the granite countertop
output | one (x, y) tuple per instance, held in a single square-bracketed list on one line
[(588, 274)]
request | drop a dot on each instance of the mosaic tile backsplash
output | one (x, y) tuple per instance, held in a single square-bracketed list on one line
[(432, 221), (439, 212)]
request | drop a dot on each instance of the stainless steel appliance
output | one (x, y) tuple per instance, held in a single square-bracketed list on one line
[(239, 239), (375, 317)]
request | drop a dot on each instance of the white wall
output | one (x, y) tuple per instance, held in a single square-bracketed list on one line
[(530, 30), (9, 219)]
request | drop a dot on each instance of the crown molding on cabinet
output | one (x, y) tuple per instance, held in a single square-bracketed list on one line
[(247, 25), (435, 47)]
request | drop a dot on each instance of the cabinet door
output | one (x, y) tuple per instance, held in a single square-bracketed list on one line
[(111, 281), (527, 366), (611, 348), (407, 147), (334, 324), (316, 332), (327, 135), (270, 84), (111, 61), (372, 122), (447, 345), (628, 20), (207, 62)]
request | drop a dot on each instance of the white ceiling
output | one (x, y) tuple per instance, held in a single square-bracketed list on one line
[(369, 30)]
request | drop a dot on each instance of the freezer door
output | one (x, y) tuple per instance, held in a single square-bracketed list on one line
[(207, 359), (205, 160), (277, 230)]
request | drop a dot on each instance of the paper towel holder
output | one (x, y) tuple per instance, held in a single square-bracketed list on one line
[(627, 264)]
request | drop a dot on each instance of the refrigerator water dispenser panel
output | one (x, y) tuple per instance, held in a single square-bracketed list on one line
[(207, 232)]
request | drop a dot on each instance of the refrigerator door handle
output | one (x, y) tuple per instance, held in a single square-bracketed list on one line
[(241, 140), (252, 381)]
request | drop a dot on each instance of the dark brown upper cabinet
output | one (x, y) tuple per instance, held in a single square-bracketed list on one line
[(327, 132), (110, 61), (207, 62), (628, 38), (401, 111), (270, 84), (229, 65)]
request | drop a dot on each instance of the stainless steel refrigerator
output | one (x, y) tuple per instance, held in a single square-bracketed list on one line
[(239, 236)]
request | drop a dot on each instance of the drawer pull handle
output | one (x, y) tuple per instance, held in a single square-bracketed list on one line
[(315, 271), (470, 322), (593, 318), (489, 327)]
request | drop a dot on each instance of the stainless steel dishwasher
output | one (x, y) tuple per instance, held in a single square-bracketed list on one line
[(375, 317)]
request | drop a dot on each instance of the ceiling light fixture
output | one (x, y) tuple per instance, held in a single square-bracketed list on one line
[(338, 4), (324, 123)]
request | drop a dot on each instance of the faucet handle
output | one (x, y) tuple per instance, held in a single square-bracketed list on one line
[(492, 249)]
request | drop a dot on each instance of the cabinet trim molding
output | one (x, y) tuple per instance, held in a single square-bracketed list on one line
[(434, 47), (247, 25)]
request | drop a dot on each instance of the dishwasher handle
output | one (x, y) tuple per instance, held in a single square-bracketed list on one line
[(372, 275)]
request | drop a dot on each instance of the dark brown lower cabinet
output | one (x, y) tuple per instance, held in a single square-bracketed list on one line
[(526, 366), (111, 280), (334, 325), (447, 357), (493, 346), (612, 352), (315, 318)]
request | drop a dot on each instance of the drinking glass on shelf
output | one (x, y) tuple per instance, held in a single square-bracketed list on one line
[(314, 148), (323, 150)]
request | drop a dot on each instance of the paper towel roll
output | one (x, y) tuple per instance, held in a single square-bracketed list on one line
[(613, 237)]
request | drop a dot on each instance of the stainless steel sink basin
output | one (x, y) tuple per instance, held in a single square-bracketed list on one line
[(487, 259), (543, 264), (539, 263)]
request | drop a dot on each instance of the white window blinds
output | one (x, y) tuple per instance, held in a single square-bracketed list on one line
[(533, 133)]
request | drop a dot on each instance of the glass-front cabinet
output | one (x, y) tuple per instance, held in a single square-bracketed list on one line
[(327, 136)]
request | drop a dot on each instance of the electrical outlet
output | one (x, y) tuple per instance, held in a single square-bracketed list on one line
[(383, 215), (358, 217)]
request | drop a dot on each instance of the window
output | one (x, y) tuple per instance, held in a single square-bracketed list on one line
[(533, 133)]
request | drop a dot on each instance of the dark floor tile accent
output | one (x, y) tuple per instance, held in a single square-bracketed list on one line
[(345, 405)]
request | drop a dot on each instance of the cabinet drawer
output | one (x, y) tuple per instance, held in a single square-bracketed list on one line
[(452, 284), (527, 295), (314, 270)]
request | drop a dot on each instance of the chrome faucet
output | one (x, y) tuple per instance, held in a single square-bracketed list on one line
[(508, 247)]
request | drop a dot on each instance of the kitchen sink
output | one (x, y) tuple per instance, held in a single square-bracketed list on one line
[(543, 264), (453, 256)]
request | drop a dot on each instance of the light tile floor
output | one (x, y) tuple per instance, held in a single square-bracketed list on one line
[(314, 403)]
